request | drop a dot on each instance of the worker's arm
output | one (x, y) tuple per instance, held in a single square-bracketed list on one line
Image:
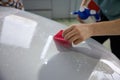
[(85, 2), (106, 28), (80, 32)]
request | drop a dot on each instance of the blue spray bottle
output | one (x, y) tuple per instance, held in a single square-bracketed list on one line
[(87, 15)]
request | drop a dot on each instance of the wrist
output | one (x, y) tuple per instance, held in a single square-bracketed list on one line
[(91, 29), (98, 29)]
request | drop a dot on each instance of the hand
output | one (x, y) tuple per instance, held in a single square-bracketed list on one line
[(80, 20), (78, 33)]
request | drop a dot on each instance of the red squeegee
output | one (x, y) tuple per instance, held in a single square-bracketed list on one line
[(60, 40)]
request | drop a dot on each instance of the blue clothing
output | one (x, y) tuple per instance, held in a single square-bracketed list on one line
[(110, 8)]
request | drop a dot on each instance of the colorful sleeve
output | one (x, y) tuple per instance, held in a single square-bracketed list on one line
[(12, 3)]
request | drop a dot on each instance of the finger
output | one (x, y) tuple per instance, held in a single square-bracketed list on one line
[(66, 31), (77, 41), (74, 38), (70, 34)]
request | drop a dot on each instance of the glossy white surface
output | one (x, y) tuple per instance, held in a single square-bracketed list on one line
[(43, 58), (18, 31)]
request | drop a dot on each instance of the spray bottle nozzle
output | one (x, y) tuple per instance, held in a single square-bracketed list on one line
[(84, 13)]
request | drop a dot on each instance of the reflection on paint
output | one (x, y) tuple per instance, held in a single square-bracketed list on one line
[(17, 31), (45, 49), (111, 65), (105, 70)]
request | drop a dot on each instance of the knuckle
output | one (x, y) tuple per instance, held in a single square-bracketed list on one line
[(81, 38)]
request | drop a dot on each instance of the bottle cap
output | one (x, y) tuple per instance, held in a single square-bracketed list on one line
[(92, 12)]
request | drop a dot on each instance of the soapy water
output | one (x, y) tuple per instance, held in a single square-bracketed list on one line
[(68, 66)]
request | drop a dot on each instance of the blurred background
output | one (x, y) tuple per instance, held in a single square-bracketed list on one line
[(58, 10), (53, 9)]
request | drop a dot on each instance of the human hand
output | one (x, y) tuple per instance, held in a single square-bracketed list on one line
[(78, 33), (80, 20)]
